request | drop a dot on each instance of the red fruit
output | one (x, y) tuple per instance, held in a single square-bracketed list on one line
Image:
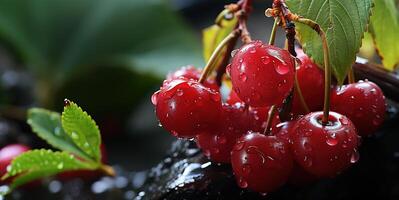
[(258, 117), (191, 73), (8, 153), (325, 150), (186, 108), (218, 144), (311, 81), (298, 175), (233, 98), (262, 75), (261, 163), (363, 102)]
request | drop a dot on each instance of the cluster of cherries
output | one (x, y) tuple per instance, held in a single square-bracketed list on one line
[(235, 130)]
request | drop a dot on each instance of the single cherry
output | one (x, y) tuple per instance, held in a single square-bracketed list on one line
[(218, 144), (325, 150), (311, 82), (298, 176), (363, 102), (8, 153), (261, 163), (191, 73), (186, 108), (262, 75)]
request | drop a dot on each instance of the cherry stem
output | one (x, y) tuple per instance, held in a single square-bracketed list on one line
[(271, 113), (108, 170), (327, 69), (300, 95), (351, 76), (215, 54), (273, 33)]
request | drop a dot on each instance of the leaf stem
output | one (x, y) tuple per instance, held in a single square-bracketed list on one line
[(273, 33), (300, 95), (108, 170), (212, 60), (351, 76), (269, 121), (327, 69)]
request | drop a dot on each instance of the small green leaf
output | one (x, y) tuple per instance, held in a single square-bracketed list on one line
[(214, 34), (47, 125), (344, 23), (384, 29), (41, 163), (82, 129)]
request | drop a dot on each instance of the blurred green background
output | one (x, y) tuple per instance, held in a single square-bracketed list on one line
[(108, 56)]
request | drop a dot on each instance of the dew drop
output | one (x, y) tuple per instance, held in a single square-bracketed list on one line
[(344, 120), (307, 146), (282, 68), (174, 133), (239, 145), (332, 141), (243, 77), (60, 165), (263, 194), (308, 161), (154, 98), (234, 52), (373, 91), (265, 60), (179, 92), (355, 156), (242, 183), (75, 135)]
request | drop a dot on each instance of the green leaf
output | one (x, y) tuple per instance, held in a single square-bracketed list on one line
[(41, 163), (344, 23), (214, 34), (82, 129), (384, 29), (47, 125)]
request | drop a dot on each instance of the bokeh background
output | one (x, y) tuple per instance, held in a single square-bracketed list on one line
[(108, 56)]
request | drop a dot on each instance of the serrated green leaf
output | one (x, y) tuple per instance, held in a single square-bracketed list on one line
[(82, 129), (47, 125), (344, 23), (41, 163), (214, 34), (384, 29)]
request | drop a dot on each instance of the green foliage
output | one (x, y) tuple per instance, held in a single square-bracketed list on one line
[(214, 34), (47, 125), (82, 129), (38, 163), (384, 29), (74, 132), (63, 38), (344, 23)]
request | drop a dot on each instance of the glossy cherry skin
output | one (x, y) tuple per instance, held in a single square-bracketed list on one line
[(186, 108), (363, 102), (191, 73), (298, 176), (261, 163), (8, 153), (218, 144), (262, 75), (325, 150), (311, 81)]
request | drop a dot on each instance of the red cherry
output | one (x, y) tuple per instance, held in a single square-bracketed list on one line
[(191, 73), (233, 98), (258, 117), (218, 144), (298, 175), (186, 108), (363, 102), (262, 75), (325, 150), (8, 153), (261, 163), (311, 81)]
